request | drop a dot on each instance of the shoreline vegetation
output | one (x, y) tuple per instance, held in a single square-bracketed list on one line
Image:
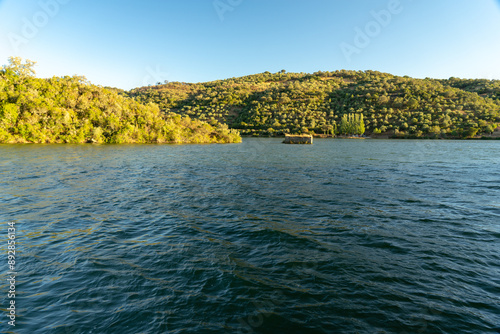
[(72, 110), (342, 104)]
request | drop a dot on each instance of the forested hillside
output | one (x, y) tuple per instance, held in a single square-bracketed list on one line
[(71, 110), (269, 104)]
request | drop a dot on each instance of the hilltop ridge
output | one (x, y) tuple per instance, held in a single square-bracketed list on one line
[(277, 103)]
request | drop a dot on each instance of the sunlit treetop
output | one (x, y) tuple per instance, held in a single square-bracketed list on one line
[(19, 68)]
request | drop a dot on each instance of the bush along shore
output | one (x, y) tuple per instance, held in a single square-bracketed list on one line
[(71, 110)]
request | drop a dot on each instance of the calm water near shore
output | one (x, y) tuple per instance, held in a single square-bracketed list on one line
[(343, 236)]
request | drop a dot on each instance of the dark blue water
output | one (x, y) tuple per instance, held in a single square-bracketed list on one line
[(344, 236)]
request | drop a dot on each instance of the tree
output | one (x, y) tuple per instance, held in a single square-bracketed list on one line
[(344, 125), (471, 133), (489, 128), (383, 99), (360, 124), (18, 68), (352, 124)]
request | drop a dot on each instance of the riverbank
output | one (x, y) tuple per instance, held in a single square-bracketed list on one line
[(385, 136)]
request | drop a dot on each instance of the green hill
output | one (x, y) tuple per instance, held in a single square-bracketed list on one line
[(71, 110), (270, 104)]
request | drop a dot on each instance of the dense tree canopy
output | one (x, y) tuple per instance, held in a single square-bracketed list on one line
[(71, 110), (268, 104)]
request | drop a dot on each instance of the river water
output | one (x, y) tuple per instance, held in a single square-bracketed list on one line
[(342, 236)]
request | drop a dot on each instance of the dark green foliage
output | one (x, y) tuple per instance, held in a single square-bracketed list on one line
[(71, 110), (273, 104), (483, 87)]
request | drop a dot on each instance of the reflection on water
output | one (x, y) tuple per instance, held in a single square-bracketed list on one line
[(341, 236)]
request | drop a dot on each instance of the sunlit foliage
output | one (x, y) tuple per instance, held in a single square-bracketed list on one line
[(273, 104), (71, 110)]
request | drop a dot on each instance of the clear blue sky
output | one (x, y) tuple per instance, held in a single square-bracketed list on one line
[(126, 43)]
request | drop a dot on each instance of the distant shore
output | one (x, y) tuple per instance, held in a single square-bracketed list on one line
[(495, 136)]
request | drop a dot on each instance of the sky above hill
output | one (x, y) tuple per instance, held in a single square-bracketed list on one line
[(126, 44)]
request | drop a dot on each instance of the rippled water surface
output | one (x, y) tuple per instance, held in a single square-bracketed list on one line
[(344, 236)]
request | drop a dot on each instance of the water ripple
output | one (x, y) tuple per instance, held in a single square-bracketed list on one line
[(342, 236)]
